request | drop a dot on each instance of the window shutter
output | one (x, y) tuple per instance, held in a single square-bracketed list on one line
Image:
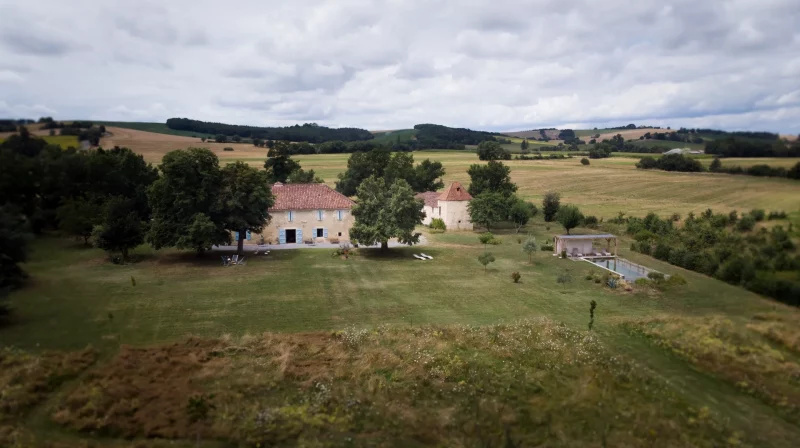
[(237, 236), (248, 235), (325, 233), (299, 236), (290, 216), (281, 236)]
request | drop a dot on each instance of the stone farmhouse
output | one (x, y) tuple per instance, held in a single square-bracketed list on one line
[(449, 205)]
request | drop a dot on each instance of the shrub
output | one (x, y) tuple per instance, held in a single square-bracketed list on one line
[(757, 214), (655, 276), (675, 217), (515, 277), (438, 224), (584, 161), (547, 247), (564, 277), (590, 221), (485, 237), (227, 148), (746, 224), (485, 258), (776, 215), (564, 253), (641, 282), (676, 280)]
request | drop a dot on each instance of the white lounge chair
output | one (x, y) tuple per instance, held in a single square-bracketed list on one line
[(426, 256), (241, 261), (419, 257), (235, 259), (604, 253)]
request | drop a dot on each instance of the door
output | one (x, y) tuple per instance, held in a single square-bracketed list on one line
[(291, 236)]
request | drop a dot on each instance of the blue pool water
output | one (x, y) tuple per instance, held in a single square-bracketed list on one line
[(628, 270)]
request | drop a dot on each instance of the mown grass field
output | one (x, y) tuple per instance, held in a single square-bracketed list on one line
[(76, 299), (159, 128), (65, 141)]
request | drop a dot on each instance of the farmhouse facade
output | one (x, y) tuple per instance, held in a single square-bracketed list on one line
[(449, 205), (305, 213)]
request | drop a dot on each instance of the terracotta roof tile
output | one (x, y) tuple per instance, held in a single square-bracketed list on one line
[(308, 197), (431, 198), (455, 192)]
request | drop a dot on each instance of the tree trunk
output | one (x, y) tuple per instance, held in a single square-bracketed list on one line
[(240, 248), (384, 246), (124, 255)]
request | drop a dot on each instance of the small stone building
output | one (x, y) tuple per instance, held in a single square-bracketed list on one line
[(450, 205)]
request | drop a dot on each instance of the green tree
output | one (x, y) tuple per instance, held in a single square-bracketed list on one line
[(386, 211), (246, 197), (279, 164), (584, 161), (221, 138), (189, 186), (304, 177), (120, 229), (524, 145), (257, 142), (203, 139), (491, 150), (794, 171), (491, 177), (14, 239), (530, 247), (487, 209), (569, 216), (520, 213), (360, 166), (237, 139), (716, 164), (550, 205), (427, 176), (485, 258), (198, 409), (78, 217)]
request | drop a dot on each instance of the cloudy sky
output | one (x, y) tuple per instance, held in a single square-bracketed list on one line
[(498, 64)]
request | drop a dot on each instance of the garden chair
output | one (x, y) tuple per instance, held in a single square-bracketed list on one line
[(235, 259), (241, 261), (426, 256), (224, 260), (418, 257)]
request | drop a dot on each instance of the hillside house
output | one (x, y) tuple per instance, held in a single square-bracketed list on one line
[(450, 205), (307, 212)]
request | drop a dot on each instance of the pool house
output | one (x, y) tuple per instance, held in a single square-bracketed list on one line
[(579, 246)]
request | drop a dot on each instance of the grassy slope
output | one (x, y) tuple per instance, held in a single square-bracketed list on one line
[(391, 136), (76, 298), (668, 144)]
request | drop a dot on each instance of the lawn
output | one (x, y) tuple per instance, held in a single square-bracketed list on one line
[(76, 298), (65, 141)]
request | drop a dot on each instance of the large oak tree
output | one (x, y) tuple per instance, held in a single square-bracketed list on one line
[(384, 211)]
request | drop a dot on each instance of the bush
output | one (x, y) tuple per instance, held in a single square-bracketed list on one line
[(590, 221), (584, 161), (655, 276), (776, 215), (227, 148), (564, 254), (485, 237), (758, 214), (564, 277), (515, 276), (438, 224), (547, 247), (671, 162), (746, 224)]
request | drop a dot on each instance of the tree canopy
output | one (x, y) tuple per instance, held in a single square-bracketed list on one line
[(187, 197), (246, 196), (279, 164), (491, 150), (120, 228), (550, 204), (493, 176), (14, 239), (309, 132), (488, 208), (381, 163), (383, 211), (569, 216)]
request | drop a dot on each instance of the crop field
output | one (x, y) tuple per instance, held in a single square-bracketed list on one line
[(160, 128)]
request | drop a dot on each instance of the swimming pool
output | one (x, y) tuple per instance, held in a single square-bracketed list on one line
[(627, 269)]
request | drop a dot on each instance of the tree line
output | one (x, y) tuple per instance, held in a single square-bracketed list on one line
[(727, 247), (434, 136), (680, 162), (747, 147), (308, 132)]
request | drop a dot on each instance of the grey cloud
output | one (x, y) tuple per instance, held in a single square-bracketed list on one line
[(499, 64)]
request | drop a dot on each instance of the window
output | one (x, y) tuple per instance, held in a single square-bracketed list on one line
[(290, 216), (320, 215), (440, 211), (340, 233), (320, 233), (339, 215)]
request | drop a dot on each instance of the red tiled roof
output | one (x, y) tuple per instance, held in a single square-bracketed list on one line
[(431, 198), (455, 192), (308, 197)]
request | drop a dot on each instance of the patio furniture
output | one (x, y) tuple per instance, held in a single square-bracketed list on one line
[(574, 251), (241, 261), (605, 253), (235, 259), (426, 256), (225, 261), (419, 257)]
